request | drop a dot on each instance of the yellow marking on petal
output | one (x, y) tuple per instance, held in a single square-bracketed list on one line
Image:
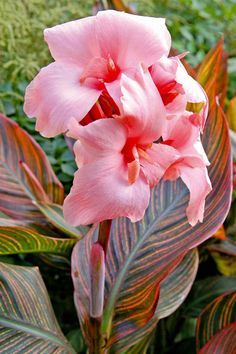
[(144, 155), (133, 171)]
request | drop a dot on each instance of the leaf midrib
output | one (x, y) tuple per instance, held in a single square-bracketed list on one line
[(18, 181), (119, 280), (34, 331)]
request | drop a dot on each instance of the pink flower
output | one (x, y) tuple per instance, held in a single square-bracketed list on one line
[(121, 158), (90, 56), (179, 90), (118, 159), (183, 134)]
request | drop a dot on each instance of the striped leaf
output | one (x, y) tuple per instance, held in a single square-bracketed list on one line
[(231, 114), (14, 240), (54, 214), (27, 322), (141, 255), (216, 326), (223, 342), (22, 161), (205, 291), (177, 285)]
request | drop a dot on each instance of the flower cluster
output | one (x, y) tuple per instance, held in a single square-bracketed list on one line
[(135, 113)]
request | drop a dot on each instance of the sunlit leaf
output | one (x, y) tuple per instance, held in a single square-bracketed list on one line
[(27, 321), (212, 73), (217, 324), (231, 114), (14, 240), (16, 193)]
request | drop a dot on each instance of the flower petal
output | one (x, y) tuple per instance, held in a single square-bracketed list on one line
[(184, 136), (199, 185), (102, 138), (73, 41), (56, 95), (101, 191), (143, 111), (159, 158), (131, 39)]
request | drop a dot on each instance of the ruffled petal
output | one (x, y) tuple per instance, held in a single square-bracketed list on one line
[(102, 138), (131, 39), (199, 185), (143, 111), (156, 160), (184, 136), (101, 191), (74, 41), (56, 95)]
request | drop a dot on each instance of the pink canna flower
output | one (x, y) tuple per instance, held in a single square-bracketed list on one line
[(90, 56), (179, 91), (118, 159), (183, 134), (121, 158)]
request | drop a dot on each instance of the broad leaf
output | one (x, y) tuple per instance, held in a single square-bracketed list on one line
[(21, 157), (175, 288), (141, 255), (223, 342), (14, 240), (217, 316), (27, 321), (231, 114), (53, 213), (205, 291), (212, 74)]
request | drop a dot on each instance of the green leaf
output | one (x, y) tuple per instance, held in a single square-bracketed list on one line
[(217, 324), (205, 291), (231, 114), (176, 286), (17, 192), (27, 321), (14, 240), (54, 214), (140, 255)]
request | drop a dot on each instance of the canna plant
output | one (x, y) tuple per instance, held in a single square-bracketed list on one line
[(154, 181)]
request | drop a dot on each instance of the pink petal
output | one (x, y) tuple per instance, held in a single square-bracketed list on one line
[(97, 140), (101, 191), (164, 70), (131, 39), (73, 41), (56, 95), (159, 158), (199, 185), (185, 137), (143, 111)]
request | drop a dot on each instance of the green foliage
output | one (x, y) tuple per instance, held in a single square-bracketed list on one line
[(23, 50)]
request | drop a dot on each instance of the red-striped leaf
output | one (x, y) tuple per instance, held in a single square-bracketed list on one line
[(21, 161), (231, 114), (27, 322), (223, 342), (212, 73), (216, 326), (141, 255)]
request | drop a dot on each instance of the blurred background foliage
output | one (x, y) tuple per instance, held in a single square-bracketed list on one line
[(195, 26)]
